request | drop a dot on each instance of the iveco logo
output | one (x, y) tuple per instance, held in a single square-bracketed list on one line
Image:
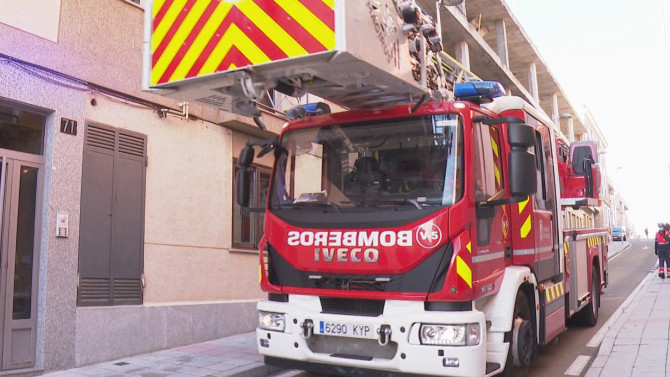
[(429, 235)]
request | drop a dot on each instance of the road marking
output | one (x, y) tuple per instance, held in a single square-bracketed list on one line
[(619, 253), (578, 365)]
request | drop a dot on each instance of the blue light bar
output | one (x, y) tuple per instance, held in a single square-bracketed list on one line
[(478, 91), (306, 110)]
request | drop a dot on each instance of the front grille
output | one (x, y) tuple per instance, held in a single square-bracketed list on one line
[(351, 348), (391, 283), (349, 306), (426, 277)]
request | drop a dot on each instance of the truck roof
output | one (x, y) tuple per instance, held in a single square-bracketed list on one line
[(403, 110)]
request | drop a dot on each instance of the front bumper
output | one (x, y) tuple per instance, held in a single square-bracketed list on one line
[(403, 355)]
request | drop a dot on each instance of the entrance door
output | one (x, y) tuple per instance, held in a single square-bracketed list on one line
[(19, 188)]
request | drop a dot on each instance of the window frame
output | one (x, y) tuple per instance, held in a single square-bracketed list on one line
[(258, 200)]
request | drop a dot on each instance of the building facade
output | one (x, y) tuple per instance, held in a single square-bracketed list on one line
[(118, 226)]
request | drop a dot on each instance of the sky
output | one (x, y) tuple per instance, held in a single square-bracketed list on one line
[(612, 57)]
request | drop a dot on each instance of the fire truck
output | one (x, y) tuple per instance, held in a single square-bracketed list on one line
[(421, 231)]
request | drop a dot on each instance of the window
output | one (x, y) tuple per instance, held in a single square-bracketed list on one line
[(111, 239), (488, 174), (21, 130), (488, 166), (248, 225), (544, 199), (340, 172)]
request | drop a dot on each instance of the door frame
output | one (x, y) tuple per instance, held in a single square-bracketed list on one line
[(12, 163)]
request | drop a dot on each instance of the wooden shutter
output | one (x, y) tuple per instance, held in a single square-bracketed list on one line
[(111, 244)]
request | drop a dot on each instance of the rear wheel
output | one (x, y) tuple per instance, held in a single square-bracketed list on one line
[(522, 343), (589, 315)]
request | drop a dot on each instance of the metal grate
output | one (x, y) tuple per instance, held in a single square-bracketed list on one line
[(127, 289), (348, 306), (391, 283), (100, 137), (94, 291), (216, 101), (351, 348), (131, 145)]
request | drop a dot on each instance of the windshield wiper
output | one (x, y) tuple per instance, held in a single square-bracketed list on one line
[(395, 201), (321, 204)]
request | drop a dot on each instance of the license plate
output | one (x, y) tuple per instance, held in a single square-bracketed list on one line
[(350, 330)]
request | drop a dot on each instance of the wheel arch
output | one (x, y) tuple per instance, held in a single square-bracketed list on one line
[(498, 310)]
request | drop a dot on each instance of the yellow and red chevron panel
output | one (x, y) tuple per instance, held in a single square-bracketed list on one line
[(192, 38), (459, 280), (495, 146), (525, 212), (554, 292)]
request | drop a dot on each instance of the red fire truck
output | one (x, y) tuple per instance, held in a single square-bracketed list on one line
[(424, 230)]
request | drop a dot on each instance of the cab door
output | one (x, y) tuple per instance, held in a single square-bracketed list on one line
[(492, 241), (545, 219)]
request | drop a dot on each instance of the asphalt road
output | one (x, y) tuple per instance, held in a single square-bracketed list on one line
[(626, 271)]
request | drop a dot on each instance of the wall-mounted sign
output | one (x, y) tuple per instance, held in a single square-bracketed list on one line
[(68, 126)]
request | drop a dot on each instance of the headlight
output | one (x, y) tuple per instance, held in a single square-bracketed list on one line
[(271, 321), (450, 335)]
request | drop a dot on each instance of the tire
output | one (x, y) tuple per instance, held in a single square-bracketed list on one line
[(522, 344), (588, 316)]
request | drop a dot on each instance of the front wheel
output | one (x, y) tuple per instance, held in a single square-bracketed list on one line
[(522, 344)]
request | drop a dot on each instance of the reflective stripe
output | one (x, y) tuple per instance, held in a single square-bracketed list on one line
[(488, 257), (554, 292), (522, 205), (526, 227), (532, 251), (464, 271), (523, 252)]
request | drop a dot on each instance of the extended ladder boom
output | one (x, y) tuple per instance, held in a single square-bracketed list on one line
[(355, 53)]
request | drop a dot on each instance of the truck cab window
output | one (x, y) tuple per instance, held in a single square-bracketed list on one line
[(398, 165), (488, 173), (488, 166), (545, 197)]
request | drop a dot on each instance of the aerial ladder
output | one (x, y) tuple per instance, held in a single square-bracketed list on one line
[(355, 54)]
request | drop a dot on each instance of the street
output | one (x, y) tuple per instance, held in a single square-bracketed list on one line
[(626, 271)]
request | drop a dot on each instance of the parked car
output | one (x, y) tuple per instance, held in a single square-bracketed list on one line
[(618, 233)]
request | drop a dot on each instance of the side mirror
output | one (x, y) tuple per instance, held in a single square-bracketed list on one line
[(520, 135), (246, 157), (522, 178), (243, 187), (243, 179)]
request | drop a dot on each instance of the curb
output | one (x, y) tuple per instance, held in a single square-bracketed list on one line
[(258, 369)]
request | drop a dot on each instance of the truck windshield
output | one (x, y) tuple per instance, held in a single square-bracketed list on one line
[(410, 163)]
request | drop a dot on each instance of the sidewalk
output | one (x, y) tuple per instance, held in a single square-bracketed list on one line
[(635, 340), (234, 356)]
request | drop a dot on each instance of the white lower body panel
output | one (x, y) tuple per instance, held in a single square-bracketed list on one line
[(404, 354)]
